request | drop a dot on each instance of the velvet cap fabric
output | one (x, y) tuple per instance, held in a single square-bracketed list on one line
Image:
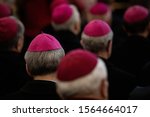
[(135, 14), (76, 64), (44, 42), (97, 28)]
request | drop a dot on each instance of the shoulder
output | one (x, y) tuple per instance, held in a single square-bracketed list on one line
[(140, 93)]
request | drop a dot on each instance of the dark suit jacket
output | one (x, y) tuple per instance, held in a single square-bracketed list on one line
[(12, 72), (133, 54), (121, 83), (36, 90), (68, 40), (140, 93)]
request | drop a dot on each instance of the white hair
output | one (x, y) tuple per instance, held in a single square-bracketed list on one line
[(85, 85), (71, 21), (96, 44)]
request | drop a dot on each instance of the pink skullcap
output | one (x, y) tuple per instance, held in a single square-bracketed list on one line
[(61, 14), (8, 29), (135, 14), (96, 28), (44, 42), (99, 9), (75, 64), (4, 10)]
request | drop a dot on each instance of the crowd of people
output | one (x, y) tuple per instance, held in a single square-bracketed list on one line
[(74, 49)]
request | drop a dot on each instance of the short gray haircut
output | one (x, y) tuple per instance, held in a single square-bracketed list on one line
[(96, 44), (43, 63)]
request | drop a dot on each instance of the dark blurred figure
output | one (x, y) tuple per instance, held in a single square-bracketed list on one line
[(97, 37), (83, 7), (5, 10), (100, 11), (135, 51), (42, 58), (49, 28), (118, 9), (142, 92), (66, 23), (145, 3), (12, 66)]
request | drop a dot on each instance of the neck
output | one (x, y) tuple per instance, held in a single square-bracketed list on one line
[(14, 50), (143, 34), (49, 77), (103, 55)]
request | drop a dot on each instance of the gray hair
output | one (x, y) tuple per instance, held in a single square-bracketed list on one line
[(42, 63), (96, 44)]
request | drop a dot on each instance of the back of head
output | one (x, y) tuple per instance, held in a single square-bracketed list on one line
[(100, 11), (96, 35), (11, 30), (136, 19), (5, 10), (80, 74), (43, 55), (65, 16)]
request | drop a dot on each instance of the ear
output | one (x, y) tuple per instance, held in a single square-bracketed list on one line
[(76, 28), (108, 17), (104, 89), (109, 48), (81, 42), (20, 44), (27, 70)]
